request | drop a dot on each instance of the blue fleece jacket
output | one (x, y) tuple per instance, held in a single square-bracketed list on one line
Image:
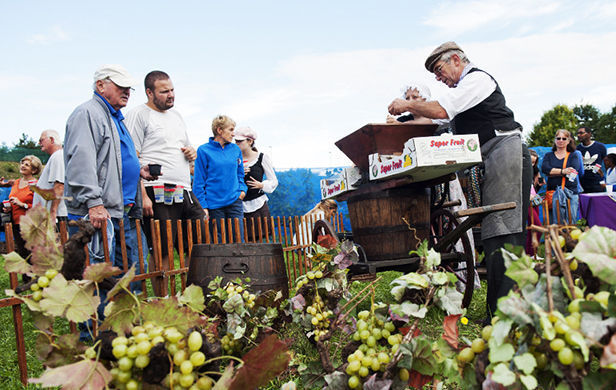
[(219, 174)]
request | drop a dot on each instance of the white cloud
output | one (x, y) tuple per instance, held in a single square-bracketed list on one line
[(55, 34), (455, 18)]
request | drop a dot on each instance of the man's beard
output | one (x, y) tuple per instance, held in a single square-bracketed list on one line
[(162, 104)]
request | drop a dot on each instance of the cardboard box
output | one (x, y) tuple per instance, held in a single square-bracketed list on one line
[(341, 183), (425, 158)]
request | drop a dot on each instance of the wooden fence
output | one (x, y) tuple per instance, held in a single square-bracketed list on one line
[(292, 232)]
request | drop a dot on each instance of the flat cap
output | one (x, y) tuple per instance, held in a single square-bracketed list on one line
[(438, 52)]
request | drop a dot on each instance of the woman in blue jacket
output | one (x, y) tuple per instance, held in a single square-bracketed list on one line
[(219, 175)]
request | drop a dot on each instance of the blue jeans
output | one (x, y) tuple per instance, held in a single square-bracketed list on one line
[(234, 210), (115, 257)]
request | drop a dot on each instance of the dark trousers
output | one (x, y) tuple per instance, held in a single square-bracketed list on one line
[(499, 285), (262, 216), (189, 209)]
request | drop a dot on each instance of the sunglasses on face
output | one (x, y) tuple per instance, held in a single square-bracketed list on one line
[(561, 138)]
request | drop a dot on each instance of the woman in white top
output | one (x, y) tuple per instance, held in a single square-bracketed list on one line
[(260, 178), (610, 172)]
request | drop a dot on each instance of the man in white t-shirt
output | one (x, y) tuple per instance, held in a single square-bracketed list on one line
[(52, 177), (160, 137)]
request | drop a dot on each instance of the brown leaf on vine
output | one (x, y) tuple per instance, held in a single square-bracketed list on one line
[(83, 375), (417, 380), (13, 262), (72, 300), (451, 331), (262, 364), (46, 257), (65, 350), (37, 229), (98, 271), (168, 312), (43, 346), (122, 284), (327, 241), (609, 353)]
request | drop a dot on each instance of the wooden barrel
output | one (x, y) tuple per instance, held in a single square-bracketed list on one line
[(377, 220), (263, 263)]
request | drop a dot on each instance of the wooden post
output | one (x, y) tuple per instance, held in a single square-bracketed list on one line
[(170, 258), (180, 240), (140, 253)]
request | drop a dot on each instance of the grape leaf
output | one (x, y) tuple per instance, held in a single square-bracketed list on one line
[(235, 304), (450, 300), (501, 353), (529, 381), (525, 362), (298, 302), (450, 330), (13, 262), (439, 278), (37, 229), (600, 380), (167, 312), (398, 292), (122, 284), (73, 300), (225, 379), (261, 364), (43, 346), (594, 328), (597, 248), (544, 323), (41, 321), (193, 298), (423, 357), (377, 384), (502, 374), (407, 356), (520, 269), (516, 308), (46, 257), (412, 280), (98, 271), (120, 315), (406, 309), (83, 375), (66, 350), (235, 325), (433, 259), (418, 380), (336, 380), (31, 303)]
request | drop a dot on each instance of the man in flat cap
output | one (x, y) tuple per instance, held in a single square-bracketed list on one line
[(102, 169), (476, 105)]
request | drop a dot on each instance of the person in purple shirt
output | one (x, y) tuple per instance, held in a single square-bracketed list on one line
[(219, 175)]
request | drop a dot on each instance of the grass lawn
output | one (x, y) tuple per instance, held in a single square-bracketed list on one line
[(303, 351)]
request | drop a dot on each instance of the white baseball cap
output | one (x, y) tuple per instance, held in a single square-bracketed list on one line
[(115, 73)]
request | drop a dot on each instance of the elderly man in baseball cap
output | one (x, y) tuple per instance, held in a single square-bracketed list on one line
[(476, 105), (102, 170)]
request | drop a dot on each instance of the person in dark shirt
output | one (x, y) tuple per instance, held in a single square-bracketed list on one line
[(593, 153)]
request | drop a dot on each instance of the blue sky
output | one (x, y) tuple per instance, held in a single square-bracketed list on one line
[(302, 74)]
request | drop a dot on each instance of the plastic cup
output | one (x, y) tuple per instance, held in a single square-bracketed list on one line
[(6, 204), (169, 192), (154, 169)]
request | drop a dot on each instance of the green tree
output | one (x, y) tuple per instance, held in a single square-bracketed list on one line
[(605, 130), (559, 117), (587, 115), (26, 142)]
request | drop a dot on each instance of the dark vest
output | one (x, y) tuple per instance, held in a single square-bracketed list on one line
[(256, 172), (489, 115)]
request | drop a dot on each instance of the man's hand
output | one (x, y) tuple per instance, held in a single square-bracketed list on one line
[(145, 173), (398, 106), (252, 183), (98, 214), (148, 211), (391, 119), (189, 153), (207, 214)]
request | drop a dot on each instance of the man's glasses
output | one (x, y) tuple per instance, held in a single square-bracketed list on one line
[(438, 69), (561, 138)]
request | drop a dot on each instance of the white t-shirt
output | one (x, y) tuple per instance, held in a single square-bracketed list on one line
[(472, 89), (270, 182), (158, 138), (52, 173)]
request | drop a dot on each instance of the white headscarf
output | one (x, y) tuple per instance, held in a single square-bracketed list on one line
[(423, 90)]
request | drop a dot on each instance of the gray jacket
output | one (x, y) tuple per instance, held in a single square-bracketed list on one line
[(93, 162)]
